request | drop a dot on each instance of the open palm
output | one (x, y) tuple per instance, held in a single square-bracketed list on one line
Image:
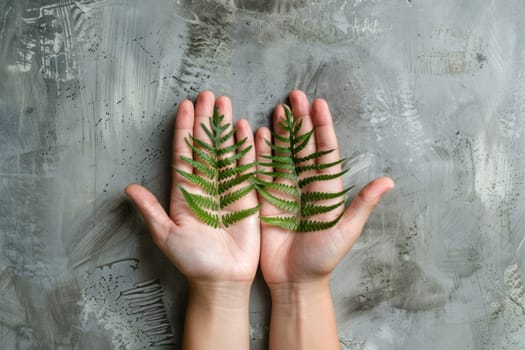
[(201, 252), (295, 257)]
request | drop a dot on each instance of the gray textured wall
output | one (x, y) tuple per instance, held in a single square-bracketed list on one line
[(429, 92)]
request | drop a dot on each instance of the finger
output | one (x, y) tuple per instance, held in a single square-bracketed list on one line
[(325, 137), (182, 133), (203, 112), (356, 215), (262, 149), (244, 132), (301, 112), (224, 107), (278, 119), (159, 224)]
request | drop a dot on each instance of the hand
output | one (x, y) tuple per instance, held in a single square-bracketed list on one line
[(296, 257), (220, 264), (202, 253), (297, 265)]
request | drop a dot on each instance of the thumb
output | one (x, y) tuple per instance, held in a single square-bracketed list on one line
[(356, 215), (153, 213)]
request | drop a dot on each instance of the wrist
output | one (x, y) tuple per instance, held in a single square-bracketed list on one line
[(303, 316), (294, 294), (213, 295), (220, 311)]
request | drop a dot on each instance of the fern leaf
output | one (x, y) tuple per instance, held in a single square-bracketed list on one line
[(232, 218), (302, 141), (202, 155), (208, 218), (284, 126), (289, 189), (209, 133), (209, 148), (231, 160), (322, 177), (319, 196), (288, 205), (207, 186), (277, 165), (280, 137), (288, 176), (298, 126), (314, 209), (228, 184), (285, 222), (231, 197), (281, 159), (226, 137), (277, 148), (200, 200), (229, 172), (312, 225), (226, 150), (303, 168), (210, 173), (313, 156)]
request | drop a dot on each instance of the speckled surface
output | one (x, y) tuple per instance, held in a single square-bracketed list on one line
[(431, 93)]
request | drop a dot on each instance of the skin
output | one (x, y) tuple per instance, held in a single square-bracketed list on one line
[(220, 264)]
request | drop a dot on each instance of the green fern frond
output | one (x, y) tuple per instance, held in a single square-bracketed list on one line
[(219, 174), (293, 196)]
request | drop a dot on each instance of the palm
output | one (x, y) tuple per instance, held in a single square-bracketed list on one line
[(203, 252), (199, 251), (297, 257)]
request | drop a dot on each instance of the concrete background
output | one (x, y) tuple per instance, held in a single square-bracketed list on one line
[(431, 93)]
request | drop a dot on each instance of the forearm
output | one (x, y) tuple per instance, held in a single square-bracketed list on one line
[(303, 317), (217, 317)]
